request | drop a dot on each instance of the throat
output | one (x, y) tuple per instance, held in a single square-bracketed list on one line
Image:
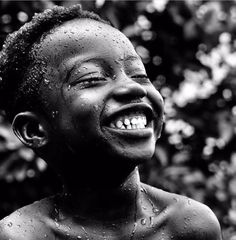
[(104, 204)]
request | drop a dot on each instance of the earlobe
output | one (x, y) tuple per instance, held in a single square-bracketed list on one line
[(30, 129)]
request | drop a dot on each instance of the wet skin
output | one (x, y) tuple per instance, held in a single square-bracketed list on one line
[(95, 81), (102, 80)]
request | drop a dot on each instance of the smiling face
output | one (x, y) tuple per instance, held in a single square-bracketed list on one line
[(100, 99)]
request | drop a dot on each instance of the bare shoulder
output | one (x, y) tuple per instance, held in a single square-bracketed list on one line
[(185, 217), (29, 222)]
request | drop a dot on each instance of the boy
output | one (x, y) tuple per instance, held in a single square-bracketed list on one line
[(77, 93)]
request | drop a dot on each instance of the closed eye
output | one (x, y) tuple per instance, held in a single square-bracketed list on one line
[(141, 78), (88, 82)]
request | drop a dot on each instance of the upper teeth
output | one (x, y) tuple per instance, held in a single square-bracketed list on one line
[(127, 122)]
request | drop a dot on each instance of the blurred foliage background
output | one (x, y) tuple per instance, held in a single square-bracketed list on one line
[(189, 49)]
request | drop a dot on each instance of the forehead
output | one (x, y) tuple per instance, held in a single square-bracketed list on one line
[(84, 38)]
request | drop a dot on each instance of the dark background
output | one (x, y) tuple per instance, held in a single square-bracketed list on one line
[(189, 49)]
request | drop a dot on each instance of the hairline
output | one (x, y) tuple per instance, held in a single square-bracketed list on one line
[(34, 47)]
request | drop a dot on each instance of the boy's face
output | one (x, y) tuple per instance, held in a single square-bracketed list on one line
[(96, 88)]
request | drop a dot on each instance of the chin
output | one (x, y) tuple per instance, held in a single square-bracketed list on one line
[(136, 156)]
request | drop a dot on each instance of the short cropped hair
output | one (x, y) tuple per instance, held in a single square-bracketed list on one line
[(20, 73)]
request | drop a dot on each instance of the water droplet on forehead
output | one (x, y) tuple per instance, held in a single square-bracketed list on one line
[(151, 221), (57, 224), (10, 224), (143, 221), (155, 210), (19, 212)]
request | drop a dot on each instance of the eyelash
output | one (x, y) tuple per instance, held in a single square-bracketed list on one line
[(90, 82), (85, 83), (140, 78)]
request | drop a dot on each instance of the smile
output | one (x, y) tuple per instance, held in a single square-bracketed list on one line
[(133, 120), (130, 122)]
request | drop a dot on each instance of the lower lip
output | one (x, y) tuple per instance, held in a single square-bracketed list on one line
[(132, 133)]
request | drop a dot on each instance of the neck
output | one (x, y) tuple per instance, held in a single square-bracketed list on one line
[(105, 202)]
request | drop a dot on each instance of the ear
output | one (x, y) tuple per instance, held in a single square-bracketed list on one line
[(31, 129)]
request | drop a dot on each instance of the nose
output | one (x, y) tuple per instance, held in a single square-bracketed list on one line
[(129, 90)]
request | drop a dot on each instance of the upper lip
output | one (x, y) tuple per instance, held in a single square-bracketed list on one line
[(130, 108)]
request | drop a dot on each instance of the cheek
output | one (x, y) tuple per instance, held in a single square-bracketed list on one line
[(84, 110)]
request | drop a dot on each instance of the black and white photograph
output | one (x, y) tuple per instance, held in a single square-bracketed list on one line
[(118, 120)]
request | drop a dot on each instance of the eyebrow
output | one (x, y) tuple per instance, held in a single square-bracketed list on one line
[(130, 58), (78, 63)]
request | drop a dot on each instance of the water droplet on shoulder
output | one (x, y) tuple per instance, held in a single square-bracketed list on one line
[(54, 114), (46, 81), (175, 199)]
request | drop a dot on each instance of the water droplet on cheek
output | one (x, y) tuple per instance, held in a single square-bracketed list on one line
[(96, 107), (54, 114), (175, 199)]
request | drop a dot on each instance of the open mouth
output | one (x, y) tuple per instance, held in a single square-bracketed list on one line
[(128, 122), (133, 117)]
